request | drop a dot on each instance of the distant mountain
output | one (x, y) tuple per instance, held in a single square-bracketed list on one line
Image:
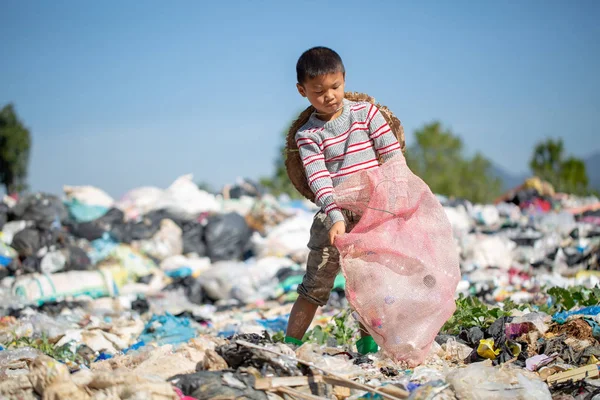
[(592, 166), (508, 179)]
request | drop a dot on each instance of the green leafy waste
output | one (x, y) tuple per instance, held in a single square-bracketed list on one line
[(342, 328), (61, 353), (472, 312)]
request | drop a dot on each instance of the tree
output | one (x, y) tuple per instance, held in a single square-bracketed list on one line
[(437, 158), (15, 144), (205, 186), (565, 174)]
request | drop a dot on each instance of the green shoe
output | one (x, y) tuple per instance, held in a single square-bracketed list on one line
[(367, 345), (293, 341)]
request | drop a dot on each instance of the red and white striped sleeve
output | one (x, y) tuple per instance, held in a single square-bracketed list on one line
[(385, 142), (319, 178)]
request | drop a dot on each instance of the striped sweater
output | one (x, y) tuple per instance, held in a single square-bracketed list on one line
[(333, 150)]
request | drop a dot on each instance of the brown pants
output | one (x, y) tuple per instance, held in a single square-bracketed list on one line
[(323, 260)]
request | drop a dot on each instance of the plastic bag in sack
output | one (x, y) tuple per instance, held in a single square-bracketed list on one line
[(400, 261)]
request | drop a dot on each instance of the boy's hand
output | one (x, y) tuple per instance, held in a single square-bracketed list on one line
[(339, 228)]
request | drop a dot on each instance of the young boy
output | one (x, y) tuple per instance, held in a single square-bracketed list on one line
[(341, 138)]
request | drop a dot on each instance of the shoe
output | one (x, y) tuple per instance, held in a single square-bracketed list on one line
[(294, 341), (367, 345)]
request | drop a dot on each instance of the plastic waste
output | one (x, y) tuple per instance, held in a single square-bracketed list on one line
[(43, 209), (538, 361), (88, 195), (3, 214), (193, 239), (489, 251), (182, 198), (487, 215), (456, 351), (482, 381), (244, 282), (459, 219), (213, 385), (538, 319), (561, 317), (275, 324), (486, 349), (195, 266), (227, 237), (562, 223), (39, 288), (167, 329), (165, 243), (134, 264), (7, 254), (339, 365), (404, 245), (287, 239), (81, 212), (9, 356), (10, 229), (53, 262)]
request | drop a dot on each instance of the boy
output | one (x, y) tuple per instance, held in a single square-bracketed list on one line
[(341, 138)]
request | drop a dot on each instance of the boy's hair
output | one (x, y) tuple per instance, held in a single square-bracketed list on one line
[(318, 61)]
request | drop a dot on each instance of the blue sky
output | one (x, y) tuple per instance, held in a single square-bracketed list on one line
[(121, 94)]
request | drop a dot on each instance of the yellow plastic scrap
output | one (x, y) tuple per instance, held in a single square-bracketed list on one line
[(514, 347), (587, 274), (486, 349)]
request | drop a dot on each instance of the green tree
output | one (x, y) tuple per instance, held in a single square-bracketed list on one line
[(207, 187), (566, 174), (547, 159), (437, 158), (15, 144)]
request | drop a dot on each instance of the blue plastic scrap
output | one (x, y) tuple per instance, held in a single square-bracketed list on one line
[(595, 327), (562, 317), (275, 324), (82, 212), (134, 346), (181, 272), (103, 356), (167, 329)]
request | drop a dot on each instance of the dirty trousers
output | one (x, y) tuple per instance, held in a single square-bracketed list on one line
[(323, 263)]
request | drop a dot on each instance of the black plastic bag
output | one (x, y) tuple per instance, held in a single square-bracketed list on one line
[(193, 239), (130, 231), (77, 259), (227, 237), (211, 384), (3, 214), (27, 242), (44, 209)]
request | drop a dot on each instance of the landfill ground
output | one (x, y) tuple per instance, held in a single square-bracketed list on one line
[(183, 294)]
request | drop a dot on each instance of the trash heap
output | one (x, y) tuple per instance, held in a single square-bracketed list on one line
[(179, 293)]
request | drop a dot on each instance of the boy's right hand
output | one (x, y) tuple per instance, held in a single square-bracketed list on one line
[(339, 228)]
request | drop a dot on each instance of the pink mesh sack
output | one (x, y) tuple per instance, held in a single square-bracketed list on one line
[(400, 262)]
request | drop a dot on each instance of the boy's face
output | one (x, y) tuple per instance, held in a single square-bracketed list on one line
[(324, 92)]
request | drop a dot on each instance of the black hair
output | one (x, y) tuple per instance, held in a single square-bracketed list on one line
[(318, 61)]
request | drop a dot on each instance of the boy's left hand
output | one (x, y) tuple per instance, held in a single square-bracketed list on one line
[(339, 228)]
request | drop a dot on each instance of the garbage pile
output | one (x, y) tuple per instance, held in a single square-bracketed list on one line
[(183, 294)]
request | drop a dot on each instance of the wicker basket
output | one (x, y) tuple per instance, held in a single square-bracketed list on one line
[(293, 162)]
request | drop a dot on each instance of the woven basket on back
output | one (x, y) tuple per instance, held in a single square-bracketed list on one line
[(293, 161)]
